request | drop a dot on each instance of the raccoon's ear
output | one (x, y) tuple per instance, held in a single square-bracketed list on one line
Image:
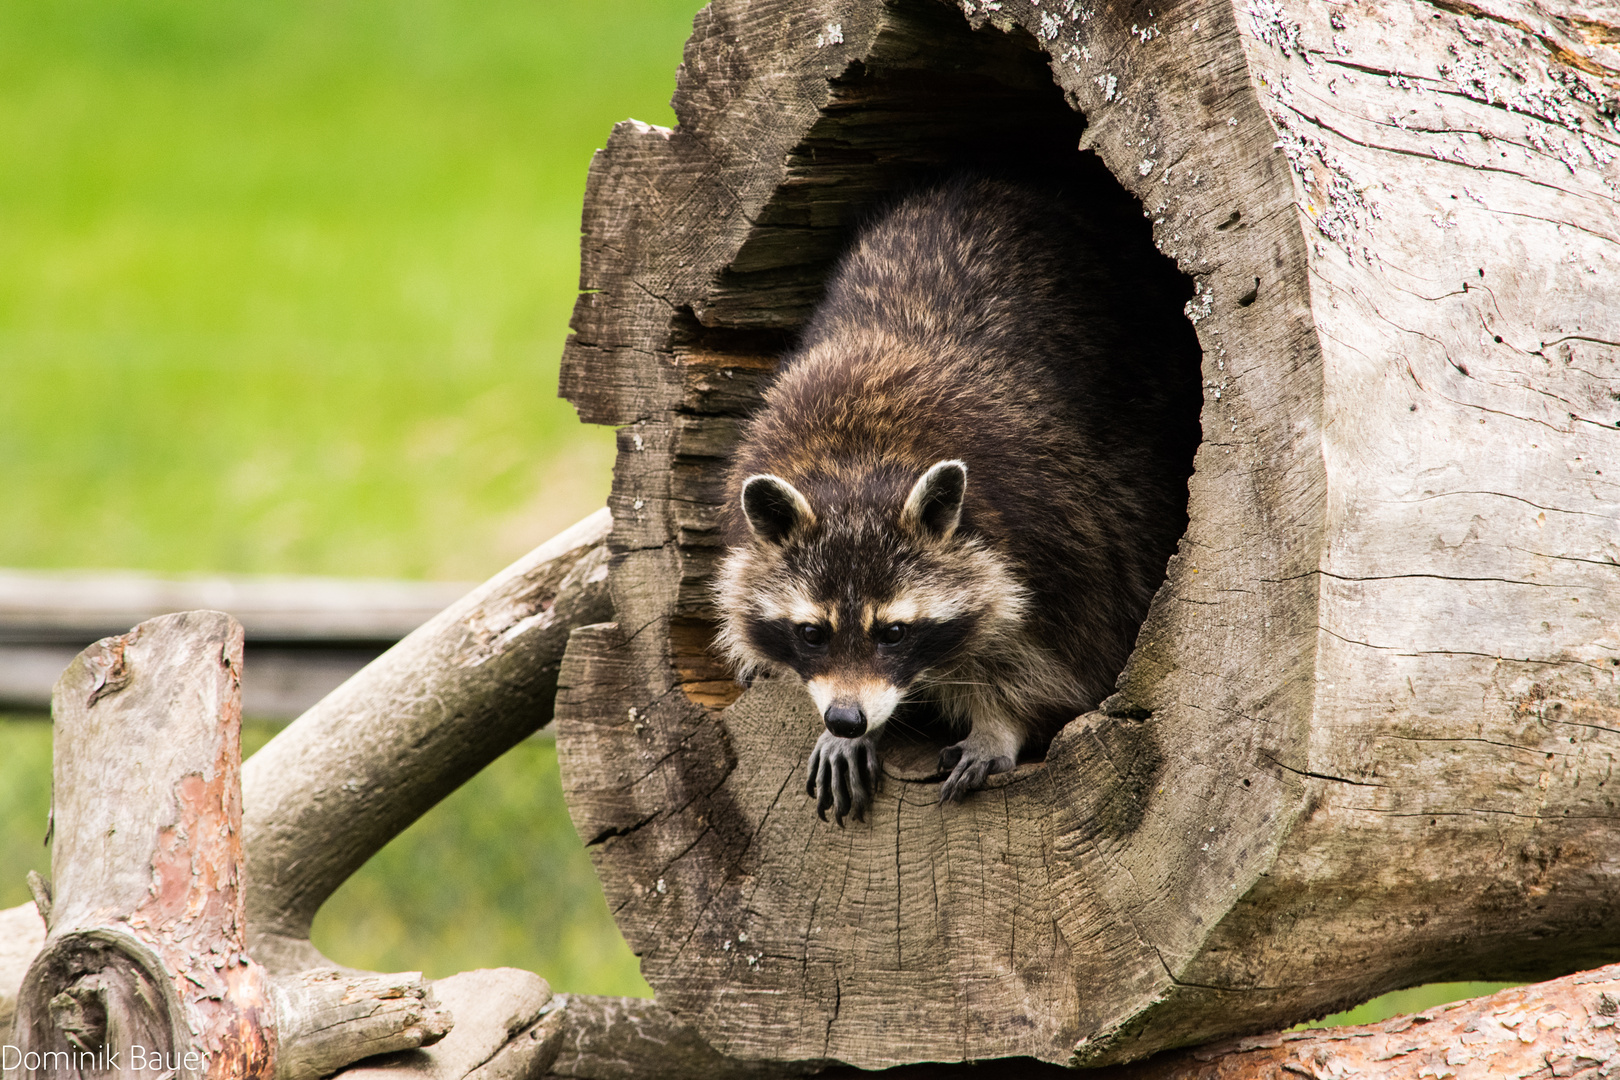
[(774, 507), (934, 506)]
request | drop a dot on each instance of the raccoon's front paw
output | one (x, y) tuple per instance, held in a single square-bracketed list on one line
[(970, 764), (844, 776)]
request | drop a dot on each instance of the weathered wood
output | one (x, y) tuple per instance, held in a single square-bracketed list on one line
[(1561, 1028), (145, 905), (464, 688), (504, 1033), (1565, 1027), (22, 932), (328, 1018), (78, 606), (1366, 736), (145, 965), (337, 784), (305, 635), (609, 1038)]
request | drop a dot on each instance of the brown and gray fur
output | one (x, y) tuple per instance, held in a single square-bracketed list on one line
[(984, 437)]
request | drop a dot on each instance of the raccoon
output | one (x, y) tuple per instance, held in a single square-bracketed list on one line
[(965, 482)]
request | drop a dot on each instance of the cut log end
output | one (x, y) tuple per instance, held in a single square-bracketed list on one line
[(92, 996)]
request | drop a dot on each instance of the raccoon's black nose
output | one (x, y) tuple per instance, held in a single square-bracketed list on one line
[(845, 721)]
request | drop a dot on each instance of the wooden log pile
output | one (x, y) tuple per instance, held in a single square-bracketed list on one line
[(146, 967), (155, 943)]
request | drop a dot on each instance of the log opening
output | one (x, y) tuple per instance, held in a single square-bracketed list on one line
[(933, 98)]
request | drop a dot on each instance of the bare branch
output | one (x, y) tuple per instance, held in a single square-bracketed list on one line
[(382, 749)]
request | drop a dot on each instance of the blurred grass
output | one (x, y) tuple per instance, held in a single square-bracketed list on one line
[(283, 289), (25, 804), (1412, 1000)]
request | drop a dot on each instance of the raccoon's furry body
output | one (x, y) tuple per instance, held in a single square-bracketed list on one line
[(965, 482)]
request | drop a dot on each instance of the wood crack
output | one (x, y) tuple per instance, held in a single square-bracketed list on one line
[(622, 830), (1322, 776)]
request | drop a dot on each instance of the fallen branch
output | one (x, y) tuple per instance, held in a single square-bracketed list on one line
[(382, 749), (508, 1031)]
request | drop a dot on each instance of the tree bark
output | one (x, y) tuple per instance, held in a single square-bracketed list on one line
[(1366, 736), (145, 905), (1563, 1028), (342, 780), (145, 964)]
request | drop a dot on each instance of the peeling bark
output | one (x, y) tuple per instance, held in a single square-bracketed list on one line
[(145, 965), (145, 904), (1565, 1027)]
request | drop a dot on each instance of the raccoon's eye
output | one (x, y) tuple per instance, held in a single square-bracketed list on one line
[(893, 634), (813, 635)]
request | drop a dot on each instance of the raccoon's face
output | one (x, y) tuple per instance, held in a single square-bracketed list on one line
[(866, 602)]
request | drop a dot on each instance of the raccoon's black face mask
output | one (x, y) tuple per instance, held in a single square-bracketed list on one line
[(862, 601)]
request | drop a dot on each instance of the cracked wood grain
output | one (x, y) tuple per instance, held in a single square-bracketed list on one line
[(1341, 758)]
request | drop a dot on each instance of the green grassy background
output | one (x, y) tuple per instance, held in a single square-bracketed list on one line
[(282, 290), (283, 287)]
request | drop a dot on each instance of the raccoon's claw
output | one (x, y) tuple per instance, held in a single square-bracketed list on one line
[(843, 776), (969, 768)]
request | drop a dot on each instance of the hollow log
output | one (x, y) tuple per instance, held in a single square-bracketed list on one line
[(1367, 734), (145, 965), (517, 1028)]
